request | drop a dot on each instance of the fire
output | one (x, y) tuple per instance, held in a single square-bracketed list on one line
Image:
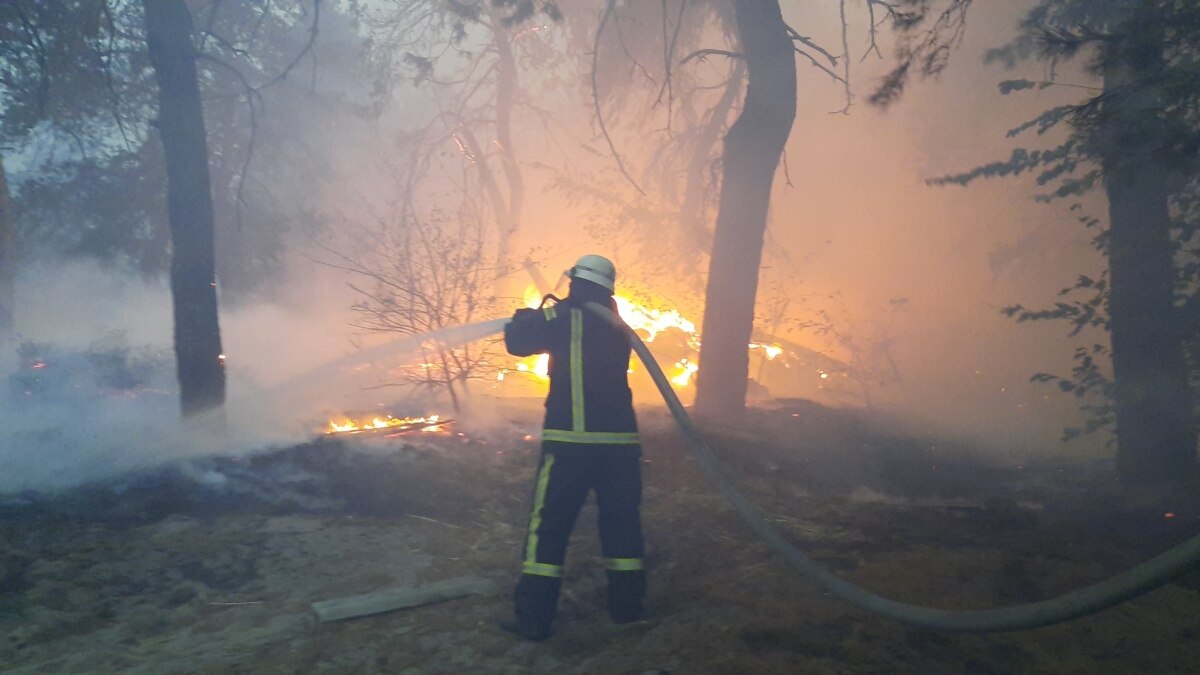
[(687, 369), (348, 425), (771, 351), (649, 323), (652, 321)]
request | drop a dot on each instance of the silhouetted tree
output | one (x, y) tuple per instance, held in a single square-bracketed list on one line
[(199, 359), (79, 74), (754, 143), (1138, 138), (753, 148)]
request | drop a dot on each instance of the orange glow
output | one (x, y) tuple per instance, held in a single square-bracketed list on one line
[(649, 323), (347, 425), (687, 369), (652, 321), (770, 350)]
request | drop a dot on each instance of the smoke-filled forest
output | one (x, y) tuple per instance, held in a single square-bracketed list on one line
[(314, 313)]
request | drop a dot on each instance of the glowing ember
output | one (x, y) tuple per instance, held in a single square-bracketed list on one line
[(770, 350), (347, 425), (652, 321), (537, 366), (687, 369)]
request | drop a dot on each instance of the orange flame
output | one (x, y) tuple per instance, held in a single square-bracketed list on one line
[(348, 425), (649, 323)]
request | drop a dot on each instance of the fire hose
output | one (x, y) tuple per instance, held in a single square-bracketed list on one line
[(1130, 584)]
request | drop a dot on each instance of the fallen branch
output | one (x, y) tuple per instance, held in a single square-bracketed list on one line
[(391, 599)]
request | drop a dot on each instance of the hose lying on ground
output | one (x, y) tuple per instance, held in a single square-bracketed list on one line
[(1125, 586)]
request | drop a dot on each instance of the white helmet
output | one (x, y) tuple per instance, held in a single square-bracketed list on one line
[(596, 269)]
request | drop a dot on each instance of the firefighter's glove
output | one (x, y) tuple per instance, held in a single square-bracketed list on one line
[(525, 334), (525, 314)]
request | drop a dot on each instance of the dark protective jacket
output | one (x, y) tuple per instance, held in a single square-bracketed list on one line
[(589, 400)]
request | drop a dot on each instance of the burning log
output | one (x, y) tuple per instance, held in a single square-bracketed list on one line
[(392, 425)]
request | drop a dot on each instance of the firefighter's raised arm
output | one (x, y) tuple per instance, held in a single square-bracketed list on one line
[(527, 333)]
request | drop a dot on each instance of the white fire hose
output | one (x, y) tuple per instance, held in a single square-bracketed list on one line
[(1125, 586)]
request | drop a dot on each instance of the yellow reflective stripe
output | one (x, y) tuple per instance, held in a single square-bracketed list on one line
[(623, 564), (542, 569), (550, 313), (577, 417), (535, 519), (604, 437)]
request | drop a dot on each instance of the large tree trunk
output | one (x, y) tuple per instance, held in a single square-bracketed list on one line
[(189, 204), (1155, 441), (752, 150), (8, 257)]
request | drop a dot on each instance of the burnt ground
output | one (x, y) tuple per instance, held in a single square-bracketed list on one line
[(211, 567)]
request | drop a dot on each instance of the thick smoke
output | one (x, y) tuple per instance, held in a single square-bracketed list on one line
[(89, 384)]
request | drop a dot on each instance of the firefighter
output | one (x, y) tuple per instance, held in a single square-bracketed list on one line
[(589, 442)]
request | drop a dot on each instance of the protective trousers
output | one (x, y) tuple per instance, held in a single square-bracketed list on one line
[(562, 486)]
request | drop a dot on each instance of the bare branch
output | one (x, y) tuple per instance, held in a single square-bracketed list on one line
[(873, 29), (703, 54), (108, 76), (845, 59), (808, 42), (253, 96), (668, 57), (608, 12), (313, 29), (819, 66)]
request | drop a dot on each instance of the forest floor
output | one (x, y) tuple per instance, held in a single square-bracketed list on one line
[(212, 566)]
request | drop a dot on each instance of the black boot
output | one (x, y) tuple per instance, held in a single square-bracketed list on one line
[(534, 605), (626, 589)]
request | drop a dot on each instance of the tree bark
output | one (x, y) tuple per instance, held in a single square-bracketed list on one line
[(753, 147), (1155, 440), (8, 257), (199, 360)]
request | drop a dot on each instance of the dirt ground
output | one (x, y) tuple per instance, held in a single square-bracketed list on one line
[(211, 567)]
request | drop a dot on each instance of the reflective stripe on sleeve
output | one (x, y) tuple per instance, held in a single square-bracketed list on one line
[(577, 414), (623, 564), (550, 313)]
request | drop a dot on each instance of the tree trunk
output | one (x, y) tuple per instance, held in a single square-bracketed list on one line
[(1155, 441), (8, 257), (752, 150), (199, 361)]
